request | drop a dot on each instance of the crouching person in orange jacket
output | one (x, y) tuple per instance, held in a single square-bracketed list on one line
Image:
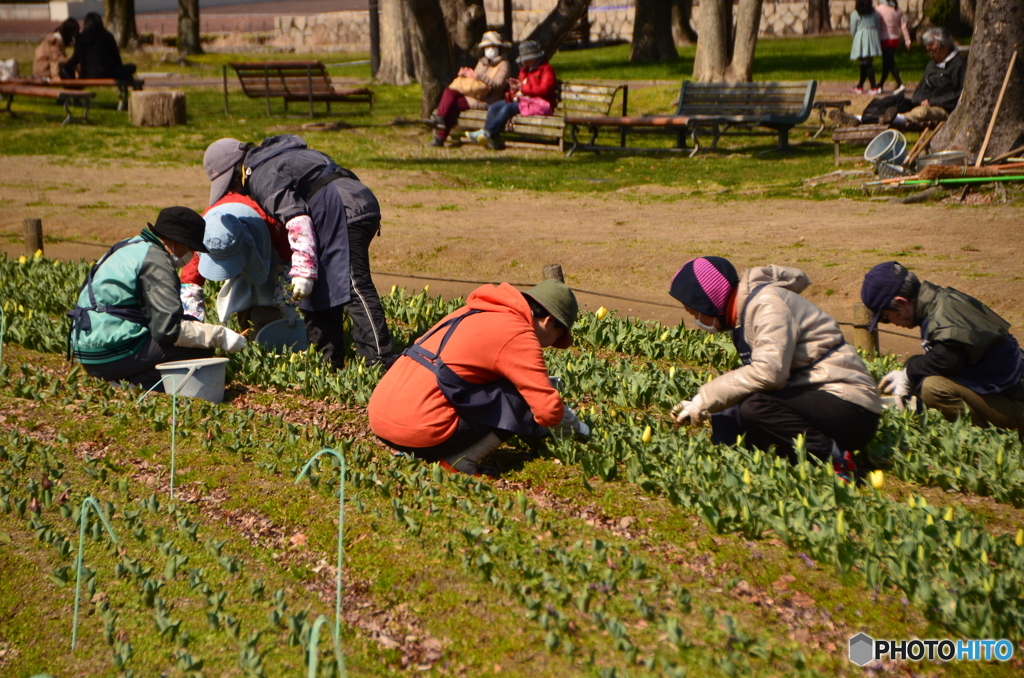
[(478, 377)]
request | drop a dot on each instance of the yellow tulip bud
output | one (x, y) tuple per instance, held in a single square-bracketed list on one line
[(1019, 540), (999, 457), (646, 437), (958, 540), (672, 372), (426, 288), (840, 525), (984, 557), (664, 335), (394, 288), (601, 313), (920, 552), (949, 514), (877, 479), (921, 503), (568, 367), (22, 259), (929, 520), (37, 256), (746, 477), (911, 502)]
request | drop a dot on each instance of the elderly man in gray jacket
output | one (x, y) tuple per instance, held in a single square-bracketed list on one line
[(799, 376), (331, 217)]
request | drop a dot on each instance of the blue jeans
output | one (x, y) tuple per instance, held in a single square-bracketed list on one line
[(498, 114)]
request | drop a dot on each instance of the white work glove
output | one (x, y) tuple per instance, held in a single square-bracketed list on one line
[(233, 342), (301, 288), (689, 411), (571, 424), (193, 334), (897, 383)]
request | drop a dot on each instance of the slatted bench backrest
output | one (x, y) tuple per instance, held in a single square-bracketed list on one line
[(289, 79), (782, 101)]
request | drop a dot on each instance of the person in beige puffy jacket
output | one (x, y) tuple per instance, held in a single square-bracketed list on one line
[(799, 376), (473, 88)]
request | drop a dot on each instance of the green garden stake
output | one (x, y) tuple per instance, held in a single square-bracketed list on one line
[(341, 524), (83, 518), (314, 656), (174, 424), (3, 326)]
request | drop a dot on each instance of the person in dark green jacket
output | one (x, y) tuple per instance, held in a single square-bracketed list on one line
[(129, 317), (971, 362)]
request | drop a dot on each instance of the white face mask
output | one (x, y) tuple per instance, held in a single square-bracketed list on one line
[(491, 53), (181, 262), (707, 328)]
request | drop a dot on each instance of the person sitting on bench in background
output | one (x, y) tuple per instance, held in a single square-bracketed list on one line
[(474, 88), (50, 54), (129, 317), (972, 364), (533, 93), (478, 377), (935, 96), (96, 54), (799, 376)]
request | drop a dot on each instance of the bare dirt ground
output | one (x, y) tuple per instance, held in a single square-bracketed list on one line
[(628, 243)]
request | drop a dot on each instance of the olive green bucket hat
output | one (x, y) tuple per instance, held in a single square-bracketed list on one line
[(558, 300)]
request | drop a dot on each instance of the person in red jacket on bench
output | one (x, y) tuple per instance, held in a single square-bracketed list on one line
[(533, 93)]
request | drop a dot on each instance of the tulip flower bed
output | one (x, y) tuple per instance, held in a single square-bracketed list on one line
[(643, 551)]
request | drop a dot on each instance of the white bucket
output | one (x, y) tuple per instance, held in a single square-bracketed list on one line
[(287, 334), (890, 146), (202, 378)]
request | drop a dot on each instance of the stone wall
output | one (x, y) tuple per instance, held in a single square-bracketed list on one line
[(609, 21)]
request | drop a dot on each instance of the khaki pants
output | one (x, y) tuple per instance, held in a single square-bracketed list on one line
[(922, 114), (951, 398)]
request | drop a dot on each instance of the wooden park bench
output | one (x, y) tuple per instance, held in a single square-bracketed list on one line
[(293, 81), (9, 90), (717, 107), (574, 100), (123, 86)]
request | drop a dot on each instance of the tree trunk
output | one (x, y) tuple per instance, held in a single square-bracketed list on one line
[(968, 9), (398, 37), (682, 32), (748, 24), (652, 32), (466, 21), (557, 24), (188, 27), (722, 53), (999, 29), (715, 42), (119, 17), (157, 108), (819, 19), (435, 67)]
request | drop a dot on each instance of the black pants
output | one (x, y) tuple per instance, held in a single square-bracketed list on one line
[(467, 434), (140, 368), (777, 417), (867, 72), (370, 334), (879, 105), (889, 66)]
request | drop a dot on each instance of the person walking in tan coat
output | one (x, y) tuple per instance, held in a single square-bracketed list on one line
[(799, 376)]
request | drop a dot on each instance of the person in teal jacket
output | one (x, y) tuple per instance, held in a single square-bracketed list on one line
[(866, 43), (129, 317)]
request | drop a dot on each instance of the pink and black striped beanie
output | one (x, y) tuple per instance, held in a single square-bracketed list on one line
[(704, 284)]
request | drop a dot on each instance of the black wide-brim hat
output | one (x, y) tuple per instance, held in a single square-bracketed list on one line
[(183, 225)]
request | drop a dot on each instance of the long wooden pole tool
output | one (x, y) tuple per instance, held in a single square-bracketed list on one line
[(995, 113)]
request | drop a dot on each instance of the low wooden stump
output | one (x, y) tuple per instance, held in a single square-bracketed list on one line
[(157, 109)]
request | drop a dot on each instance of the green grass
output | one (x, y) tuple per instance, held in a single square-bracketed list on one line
[(391, 139)]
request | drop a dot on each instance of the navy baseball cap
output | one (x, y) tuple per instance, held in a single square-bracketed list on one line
[(881, 285)]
